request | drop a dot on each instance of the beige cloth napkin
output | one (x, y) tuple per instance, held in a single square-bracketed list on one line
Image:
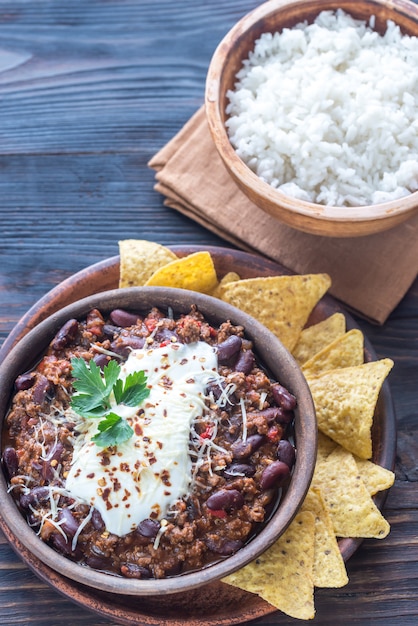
[(369, 274)]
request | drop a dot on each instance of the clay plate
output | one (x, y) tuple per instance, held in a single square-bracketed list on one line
[(217, 604)]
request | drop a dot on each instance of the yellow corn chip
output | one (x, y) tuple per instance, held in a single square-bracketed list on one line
[(282, 303), (345, 351), (329, 568), (195, 272), (139, 259), (316, 337), (345, 401), (350, 505), (375, 477), (230, 277), (283, 574), (325, 446)]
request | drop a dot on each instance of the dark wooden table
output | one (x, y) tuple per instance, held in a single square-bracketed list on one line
[(89, 91)]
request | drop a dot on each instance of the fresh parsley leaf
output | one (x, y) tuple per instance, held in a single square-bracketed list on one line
[(92, 399), (94, 389), (86, 406), (134, 391), (113, 431), (111, 372), (89, 380)]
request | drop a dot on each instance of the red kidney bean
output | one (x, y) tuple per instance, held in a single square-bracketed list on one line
[(33, 521), (54, 455), (284, 417), (38, 495), (37, 466), (125, 343), (165, 334), (69, 523), (228, 348), (41, 389), (97, 520), (110, 331), (25, 381), (193, 508), (148, 528), (132, 570), (225, 547), (240, 469), (283, 397), (66, 335), (274, 475), (61, 544), (123, 318), (225, 499), (48, 471), (101, 360), (216, 390), (99, 562), (56, 452), (245, 362), (10, 461), (271, 414), (242, 449), (286, 453)]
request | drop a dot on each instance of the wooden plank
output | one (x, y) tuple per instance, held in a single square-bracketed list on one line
[(89, 91)]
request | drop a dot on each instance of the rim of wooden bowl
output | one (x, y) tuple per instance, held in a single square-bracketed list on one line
[(273, 355)]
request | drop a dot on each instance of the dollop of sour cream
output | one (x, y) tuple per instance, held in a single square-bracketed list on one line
[(144, 476)]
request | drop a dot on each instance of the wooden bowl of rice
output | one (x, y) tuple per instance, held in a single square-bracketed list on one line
[(319, 128)]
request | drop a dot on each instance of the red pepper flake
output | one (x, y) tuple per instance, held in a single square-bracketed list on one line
[(217, 513), (207, 433), (165, 343), (95, 330), (151, 324), (274, 434)]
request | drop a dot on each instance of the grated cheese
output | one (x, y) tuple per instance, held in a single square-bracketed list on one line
[(244, 419)]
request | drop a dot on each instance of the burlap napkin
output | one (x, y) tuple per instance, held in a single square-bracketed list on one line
[(369, 274)]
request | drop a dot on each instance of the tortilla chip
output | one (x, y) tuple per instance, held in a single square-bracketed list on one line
[(325, 446), (230, 277), (350, 505), (375, 477), (345, 351), (283, 574), (329, 568), (139, 259), (316, 337), (282, 303), (345, 401), (195, 272)]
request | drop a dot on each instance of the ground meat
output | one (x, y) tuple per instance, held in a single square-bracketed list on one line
[(241, 427)]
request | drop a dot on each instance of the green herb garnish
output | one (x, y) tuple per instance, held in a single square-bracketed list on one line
[(93, 399)]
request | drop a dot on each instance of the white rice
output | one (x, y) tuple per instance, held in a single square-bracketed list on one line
[(327, 112)]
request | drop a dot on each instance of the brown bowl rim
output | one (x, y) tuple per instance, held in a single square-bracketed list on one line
[(243, 175), (305, 430)]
